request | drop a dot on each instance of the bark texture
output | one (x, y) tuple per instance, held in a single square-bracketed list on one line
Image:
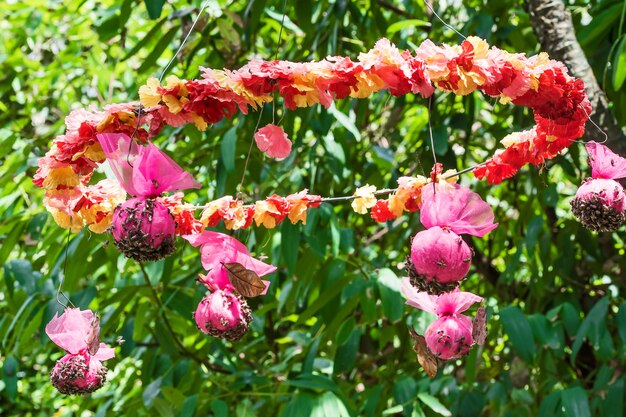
[(552, 24)]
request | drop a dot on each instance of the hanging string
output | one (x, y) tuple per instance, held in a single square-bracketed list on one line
[(606, 136), (167, 66), (62, 278), (443, 21), (258, 122)]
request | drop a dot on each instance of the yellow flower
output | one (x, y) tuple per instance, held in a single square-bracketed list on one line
[(297, 212), (366, 85), (149, 95), (365, 199), (61, 176), (263, 214)]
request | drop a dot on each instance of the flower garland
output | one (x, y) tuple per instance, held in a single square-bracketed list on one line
[(558, 101)]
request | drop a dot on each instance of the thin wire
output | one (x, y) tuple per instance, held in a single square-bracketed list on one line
[(443, 21), (245, 167), (132, 137), (606, 136), (59, 290), (258, 122), (463, 171), (278, 44), (430, 130), (206, 3)]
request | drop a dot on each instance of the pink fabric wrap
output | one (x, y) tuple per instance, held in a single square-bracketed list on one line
[(143, 171), (457, 208), (605, 163), (217, 249), (446, 304), (71, 330)]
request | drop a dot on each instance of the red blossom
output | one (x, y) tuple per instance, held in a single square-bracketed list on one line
[(380, 212)]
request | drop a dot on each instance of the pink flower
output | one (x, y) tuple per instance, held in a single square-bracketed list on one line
[(457, 208), (446, 304), (143, 229), (273, 141), (439, 260), (450, 336), (600, 202), (143, 171), (217, 249), (223, 314), (79, 371), (78, 374), (605, 163)]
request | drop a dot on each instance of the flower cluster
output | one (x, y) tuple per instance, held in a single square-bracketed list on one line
[(268, 213), (80, 371), (600, 202), (231, 274)]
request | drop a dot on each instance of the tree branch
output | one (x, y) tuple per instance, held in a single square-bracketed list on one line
[(552, 24)]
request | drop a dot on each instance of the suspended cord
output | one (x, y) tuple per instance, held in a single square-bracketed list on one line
[(606, 136), (62, 278), (443, 21)]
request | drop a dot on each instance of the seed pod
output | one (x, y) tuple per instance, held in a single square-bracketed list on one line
[(599, 204)]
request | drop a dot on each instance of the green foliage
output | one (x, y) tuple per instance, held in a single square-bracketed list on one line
[(330, 338)]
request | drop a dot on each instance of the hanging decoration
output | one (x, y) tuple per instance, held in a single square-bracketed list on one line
[(144, 227)]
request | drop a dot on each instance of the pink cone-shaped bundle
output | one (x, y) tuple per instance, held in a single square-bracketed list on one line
[(142, 227), (81, 370), (599, 203), (439, 256), (450, 336), (218, 249), (439, 260), (78, 374), (223, 314)]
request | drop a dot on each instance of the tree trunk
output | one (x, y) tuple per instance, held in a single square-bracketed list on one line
[(554, 29)]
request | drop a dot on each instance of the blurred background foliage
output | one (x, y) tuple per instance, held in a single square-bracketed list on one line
[(330, 338)]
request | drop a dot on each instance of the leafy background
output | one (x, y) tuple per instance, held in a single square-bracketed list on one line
[(330, 338)]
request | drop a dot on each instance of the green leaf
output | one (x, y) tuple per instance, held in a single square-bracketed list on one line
[(618, 74), (390, 294), (591, 326), (151, 392), (519, 331), (599, 25), (621, 322), (440, 139), (550, 406), (314, 382), (405, 24), (575, 402), (9, 372), (329, 405), (434, 404), (290, 244), (300, 405), (245, 409), (162, 45), (228, 147), (154, 8), (614, 403), (345, 121), (219, 408), (139, 45)]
